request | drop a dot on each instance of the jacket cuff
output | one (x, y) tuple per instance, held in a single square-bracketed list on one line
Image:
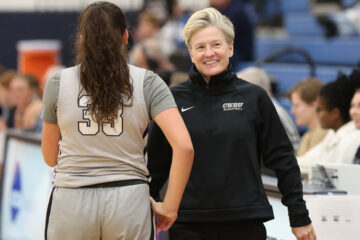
[(299, 216), (300, 220)]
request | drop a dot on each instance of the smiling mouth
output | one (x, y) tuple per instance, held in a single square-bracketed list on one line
[(211, 62)]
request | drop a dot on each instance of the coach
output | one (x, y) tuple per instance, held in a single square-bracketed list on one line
[(233, 126)]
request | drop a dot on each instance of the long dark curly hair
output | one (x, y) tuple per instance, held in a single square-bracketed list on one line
[(101, 53)]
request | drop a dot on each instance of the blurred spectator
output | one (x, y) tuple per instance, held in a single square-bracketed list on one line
[(172, 32), (339, 145), (355, 116), (355, 108), (150, 55), (148, 26), (24, 92), (32, 116), (159, 8), (6, 105), (177, 78), (303, 97), (173, 27), (259, 77), (342, 23), (243, 26)]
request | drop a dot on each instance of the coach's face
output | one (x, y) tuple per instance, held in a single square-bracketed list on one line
[(210, 52)]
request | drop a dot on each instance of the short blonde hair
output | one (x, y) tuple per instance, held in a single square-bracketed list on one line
[(208, 17)]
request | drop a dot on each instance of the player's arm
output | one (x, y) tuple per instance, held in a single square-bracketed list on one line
[(50, 131), (174, 129), (50, 143)]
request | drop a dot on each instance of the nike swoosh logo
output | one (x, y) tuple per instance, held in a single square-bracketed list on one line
[(185, 109)]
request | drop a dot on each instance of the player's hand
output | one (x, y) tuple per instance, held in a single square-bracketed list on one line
[(304, 233), (165, 217)]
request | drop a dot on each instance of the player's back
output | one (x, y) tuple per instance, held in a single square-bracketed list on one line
[(92, 152)]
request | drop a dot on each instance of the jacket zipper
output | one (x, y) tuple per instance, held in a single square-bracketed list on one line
[(209, 107)]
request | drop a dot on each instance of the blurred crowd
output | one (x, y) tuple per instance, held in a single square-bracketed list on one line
[(20, 99), (156, 44), (330, 113)]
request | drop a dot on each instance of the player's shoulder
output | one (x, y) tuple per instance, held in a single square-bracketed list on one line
[(136, 71)]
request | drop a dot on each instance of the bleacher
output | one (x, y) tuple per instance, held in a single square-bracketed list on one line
[(330, 55)]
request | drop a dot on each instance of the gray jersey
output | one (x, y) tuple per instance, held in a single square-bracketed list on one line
[(92, 153)]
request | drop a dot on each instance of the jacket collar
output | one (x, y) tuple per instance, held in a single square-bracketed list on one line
[(218, 80)]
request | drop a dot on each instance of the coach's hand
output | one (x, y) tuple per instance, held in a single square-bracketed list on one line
[(304, 233), (165, 217)]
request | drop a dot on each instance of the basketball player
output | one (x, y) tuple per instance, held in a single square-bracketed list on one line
[(95, 119)]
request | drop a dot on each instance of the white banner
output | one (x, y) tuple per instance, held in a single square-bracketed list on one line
[(26, 189), (335, 217)]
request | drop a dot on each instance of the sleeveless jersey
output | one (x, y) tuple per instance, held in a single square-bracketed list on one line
[(92, 153)]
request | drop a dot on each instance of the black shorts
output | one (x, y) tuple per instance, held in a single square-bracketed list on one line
[(239, 230)]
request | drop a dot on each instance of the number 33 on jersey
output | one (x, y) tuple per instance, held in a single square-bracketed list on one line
[(89, 127)]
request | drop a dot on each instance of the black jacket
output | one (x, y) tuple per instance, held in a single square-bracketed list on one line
[(233, 126)]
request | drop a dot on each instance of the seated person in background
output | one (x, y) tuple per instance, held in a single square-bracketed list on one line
[(6, 105), (303, 98), (173, 27), (345, 22), (259, 77), (148, 26), (32, 119), (151, 55), (333, 108), (24, 92), (355, 116)]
